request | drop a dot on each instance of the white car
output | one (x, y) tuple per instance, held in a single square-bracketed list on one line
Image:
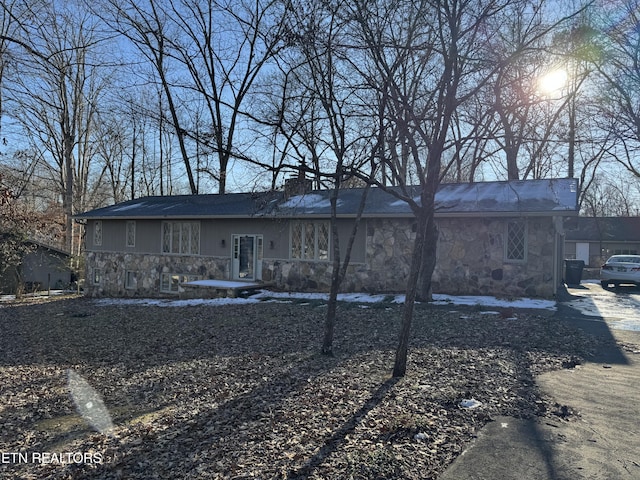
[(620, 269)]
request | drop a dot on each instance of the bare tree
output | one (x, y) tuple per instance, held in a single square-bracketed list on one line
[(428, 72), (207, 53), (56, 97), (225, 46), (619, 70), (148, 26), (419, 66), (326, 122), (613, 195)]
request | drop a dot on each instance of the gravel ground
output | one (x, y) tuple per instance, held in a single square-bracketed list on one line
[(241, 391)]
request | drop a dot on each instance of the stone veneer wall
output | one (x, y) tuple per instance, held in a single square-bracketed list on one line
[(149, 268), (470, 261), (388, 255)]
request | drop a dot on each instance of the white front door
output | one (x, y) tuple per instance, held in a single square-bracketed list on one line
[(246, 257)]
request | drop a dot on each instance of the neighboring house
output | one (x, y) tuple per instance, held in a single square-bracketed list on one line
[(495, 238), (594, 239), (42, 268)]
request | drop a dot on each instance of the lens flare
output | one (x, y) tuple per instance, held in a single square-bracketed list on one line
[(553, 82), (89, 403)]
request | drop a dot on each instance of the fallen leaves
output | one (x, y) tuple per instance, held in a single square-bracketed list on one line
[(240, 391)]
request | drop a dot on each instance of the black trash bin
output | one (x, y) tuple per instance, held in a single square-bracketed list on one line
[(573, 271)]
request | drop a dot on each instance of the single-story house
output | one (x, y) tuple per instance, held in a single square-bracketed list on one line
[(495, 238), (594, 239), (43, 267)]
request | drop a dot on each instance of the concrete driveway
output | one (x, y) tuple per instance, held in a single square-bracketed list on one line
[(619, 308), (601, 438)]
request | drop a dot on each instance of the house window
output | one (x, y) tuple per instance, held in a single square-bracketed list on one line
[(181, 238), (310, 240), (625, 251), (170, 282), (97, 276), (516, 244), (97, 233), (130, 281), (131, 233)]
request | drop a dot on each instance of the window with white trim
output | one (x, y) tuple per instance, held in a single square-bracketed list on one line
[(131, 233), (97, 233), (97, 276), (516, 244), (181, 238), (310, 240)]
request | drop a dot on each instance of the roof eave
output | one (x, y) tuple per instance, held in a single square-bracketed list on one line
[(547, 213)]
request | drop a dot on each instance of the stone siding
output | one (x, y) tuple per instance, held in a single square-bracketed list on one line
[(149, 269), (471, 261)]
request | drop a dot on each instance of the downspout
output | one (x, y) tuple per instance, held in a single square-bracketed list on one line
[(558, 251)]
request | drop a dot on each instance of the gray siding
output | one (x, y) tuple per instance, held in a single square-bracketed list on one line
[(215, 237)]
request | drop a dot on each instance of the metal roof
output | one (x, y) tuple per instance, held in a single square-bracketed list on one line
[(521, 197)]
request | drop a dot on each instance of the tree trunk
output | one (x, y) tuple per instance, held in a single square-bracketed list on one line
[(400, 365), (339, 269), (330, 320), (425, 291), (336, 279), (68, 192)]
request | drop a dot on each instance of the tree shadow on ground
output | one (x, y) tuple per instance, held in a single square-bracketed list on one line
[(220, 384)]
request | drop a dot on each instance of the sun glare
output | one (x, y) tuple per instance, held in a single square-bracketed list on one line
[(553, 82)]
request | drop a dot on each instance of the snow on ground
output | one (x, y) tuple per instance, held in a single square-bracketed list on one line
[(620, 308), (362, 298), (528, 303)]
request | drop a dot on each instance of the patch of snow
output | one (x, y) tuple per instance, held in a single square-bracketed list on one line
[(485, 301), (630, 325), (309, 200), (470, 403), (288, 297), (41, 293), (403, 203), (127, 207)]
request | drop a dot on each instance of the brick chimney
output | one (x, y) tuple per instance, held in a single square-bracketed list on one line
[(298, 185)]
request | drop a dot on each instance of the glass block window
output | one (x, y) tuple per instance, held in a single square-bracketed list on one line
[(97, 233), (131, 233), (310, 241), (516, 244), (181, 238)]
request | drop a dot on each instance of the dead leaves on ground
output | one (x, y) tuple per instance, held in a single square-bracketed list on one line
[(242, 392)]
